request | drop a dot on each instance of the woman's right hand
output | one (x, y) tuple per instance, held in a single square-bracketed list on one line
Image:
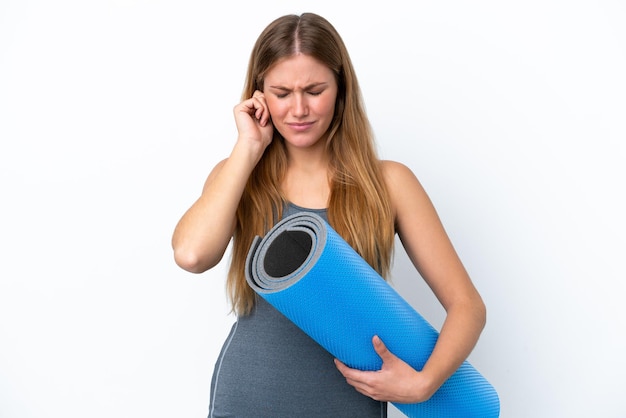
[(252, 117)]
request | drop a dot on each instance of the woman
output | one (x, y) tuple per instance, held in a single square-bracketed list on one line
[(305, 144)]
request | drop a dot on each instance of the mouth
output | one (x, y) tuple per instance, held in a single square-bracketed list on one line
[(300, 126)]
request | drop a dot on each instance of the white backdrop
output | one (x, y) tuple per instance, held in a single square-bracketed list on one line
[(112, 113)]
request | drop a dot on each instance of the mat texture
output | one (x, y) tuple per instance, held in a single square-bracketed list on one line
[(310, 274)]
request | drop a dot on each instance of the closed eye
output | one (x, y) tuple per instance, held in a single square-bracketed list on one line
[(314, 89), (312, 93)]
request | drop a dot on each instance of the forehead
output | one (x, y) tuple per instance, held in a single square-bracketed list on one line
[(297, 71)]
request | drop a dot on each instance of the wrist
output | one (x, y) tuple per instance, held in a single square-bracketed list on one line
[(247, 152)]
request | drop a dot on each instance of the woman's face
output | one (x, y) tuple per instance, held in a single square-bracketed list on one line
[(300, 93)]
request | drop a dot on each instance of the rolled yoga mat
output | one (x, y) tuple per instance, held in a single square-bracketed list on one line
[(312, 276)]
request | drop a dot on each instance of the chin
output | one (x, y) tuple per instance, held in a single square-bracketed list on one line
[(301, 140)]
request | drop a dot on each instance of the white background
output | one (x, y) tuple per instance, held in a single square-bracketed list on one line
[(112, 113)]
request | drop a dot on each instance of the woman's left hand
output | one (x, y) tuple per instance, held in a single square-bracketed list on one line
[(396, 381)]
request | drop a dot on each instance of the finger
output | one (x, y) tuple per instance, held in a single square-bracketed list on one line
[(347, 372), (259, 97), (380, 348), (262, 111), (249, 106), (256, 109), (340, 366)]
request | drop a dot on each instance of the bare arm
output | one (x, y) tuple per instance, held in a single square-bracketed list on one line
[(204, 231), (432, 253)]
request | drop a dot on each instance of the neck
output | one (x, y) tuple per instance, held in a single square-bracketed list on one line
[(306, 180), (312, 159)]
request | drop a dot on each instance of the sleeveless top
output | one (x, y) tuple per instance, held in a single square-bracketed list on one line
[(269, 368)]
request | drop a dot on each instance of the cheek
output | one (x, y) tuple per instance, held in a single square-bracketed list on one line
[(327, 107), (275, 108)]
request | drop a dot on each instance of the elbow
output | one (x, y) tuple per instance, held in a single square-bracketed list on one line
[(480, 311), (192, 262), (473, 308)]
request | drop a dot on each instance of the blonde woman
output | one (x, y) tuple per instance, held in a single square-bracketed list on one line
[(305, 144)]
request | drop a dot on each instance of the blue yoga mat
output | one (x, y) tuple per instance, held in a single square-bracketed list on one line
[(308, 272)]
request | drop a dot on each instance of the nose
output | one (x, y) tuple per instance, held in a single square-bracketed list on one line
[(300, 106)]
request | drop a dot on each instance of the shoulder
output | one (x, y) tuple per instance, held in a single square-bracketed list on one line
[(398, 177), (405, 190), (394, 170)]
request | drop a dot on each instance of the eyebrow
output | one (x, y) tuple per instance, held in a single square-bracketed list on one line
[(308, 87)]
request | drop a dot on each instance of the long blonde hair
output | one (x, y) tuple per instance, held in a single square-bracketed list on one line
[(358, 207)]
